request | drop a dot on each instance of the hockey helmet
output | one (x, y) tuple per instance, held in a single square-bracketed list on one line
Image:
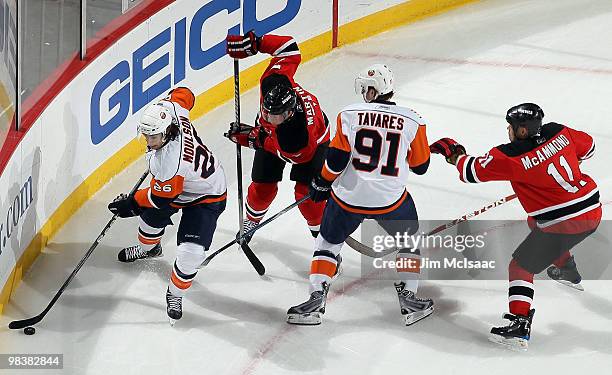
[(378, 76), (527, 115), (280, 99), (155, 120)]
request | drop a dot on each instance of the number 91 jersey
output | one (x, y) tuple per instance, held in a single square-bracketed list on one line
[(384, 141), (185, 172)]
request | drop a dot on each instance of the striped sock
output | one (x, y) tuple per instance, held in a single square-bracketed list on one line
[(520, 291)]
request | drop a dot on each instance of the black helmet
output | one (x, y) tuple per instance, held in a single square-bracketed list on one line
[(279, 99), (527, 115)]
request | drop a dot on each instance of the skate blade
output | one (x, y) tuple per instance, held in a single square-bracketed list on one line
[(337, 274), (571, 285), (172, 322), (414, 317), (310, 319), (513, 343)]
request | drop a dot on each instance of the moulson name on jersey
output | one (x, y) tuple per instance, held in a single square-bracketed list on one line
[(123, 86), (546, 152)]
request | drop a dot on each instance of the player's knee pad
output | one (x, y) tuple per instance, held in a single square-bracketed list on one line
[(189, 257), (263, 191)]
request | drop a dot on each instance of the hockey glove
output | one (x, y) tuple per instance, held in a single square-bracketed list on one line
[(320, 189), (241, 46), (125, 206), (247, 136), (449, 148)]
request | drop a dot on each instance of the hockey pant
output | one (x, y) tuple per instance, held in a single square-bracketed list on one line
[(339, 223), (194, 237)]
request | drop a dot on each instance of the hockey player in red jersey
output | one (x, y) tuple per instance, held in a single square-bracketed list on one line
[(375, 145), (186, 177), (542, 163), (290, 128)]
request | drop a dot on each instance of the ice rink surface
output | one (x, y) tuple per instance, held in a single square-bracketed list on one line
[(461, 71)]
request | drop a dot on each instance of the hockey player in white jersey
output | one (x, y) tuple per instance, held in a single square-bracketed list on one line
[(187, 177), (374, 146)]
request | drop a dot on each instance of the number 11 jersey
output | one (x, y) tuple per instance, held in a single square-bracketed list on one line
[(385, 141), (544, 172)]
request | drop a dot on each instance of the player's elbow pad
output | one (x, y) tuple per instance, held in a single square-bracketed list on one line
[(337, 159), (291, 137), (420, 169)]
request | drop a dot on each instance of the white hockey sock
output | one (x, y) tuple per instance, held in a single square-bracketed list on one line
[(189, 256), (148, 236), (410, 272), (324, 263)]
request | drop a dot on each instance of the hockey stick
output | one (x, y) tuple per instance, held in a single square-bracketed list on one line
[(251, 231), (259, 267), (368, 251), (19, 324)]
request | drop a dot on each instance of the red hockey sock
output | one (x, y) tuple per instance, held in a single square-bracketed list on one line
[(560, 262), (259, 197), (312, 211), (520, 292)]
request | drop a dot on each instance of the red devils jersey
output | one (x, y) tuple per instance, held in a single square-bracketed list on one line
[(544, 172), (291, 148)]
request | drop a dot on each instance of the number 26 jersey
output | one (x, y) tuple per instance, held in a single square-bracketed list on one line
[(185, 172)]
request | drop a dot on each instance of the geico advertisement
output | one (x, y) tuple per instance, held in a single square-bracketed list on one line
[(163, 61)]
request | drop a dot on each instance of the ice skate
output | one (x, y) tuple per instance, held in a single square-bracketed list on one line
[(130, 254), (310, 312), (413, 308), (514, 336), (566, 275), (247, 225), (174, 307)]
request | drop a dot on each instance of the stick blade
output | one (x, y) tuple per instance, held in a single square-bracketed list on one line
[(20, 324), (259, 267)]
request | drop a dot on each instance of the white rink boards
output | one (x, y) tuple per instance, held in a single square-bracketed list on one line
[(460, 71)]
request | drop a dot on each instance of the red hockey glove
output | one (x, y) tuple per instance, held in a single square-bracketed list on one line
[(449, 148), (247, 136), (241, 46)]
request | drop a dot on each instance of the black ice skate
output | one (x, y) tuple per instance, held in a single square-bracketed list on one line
[(514, 336), (311, 311), (413, 308), (130, 254), (247, 225), (566, 275), (174, 307)]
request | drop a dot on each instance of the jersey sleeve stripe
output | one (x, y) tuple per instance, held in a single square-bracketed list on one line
[(589, 153), (419, 148), (289, 46), (468, 170), (340, 141), (150, 198), (143, 198), (461, 167)]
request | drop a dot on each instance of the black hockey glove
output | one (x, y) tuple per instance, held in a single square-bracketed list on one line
[(320, 189), (449, 148), (125, 206)]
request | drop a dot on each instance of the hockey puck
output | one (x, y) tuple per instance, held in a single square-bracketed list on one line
[(29, 330)]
